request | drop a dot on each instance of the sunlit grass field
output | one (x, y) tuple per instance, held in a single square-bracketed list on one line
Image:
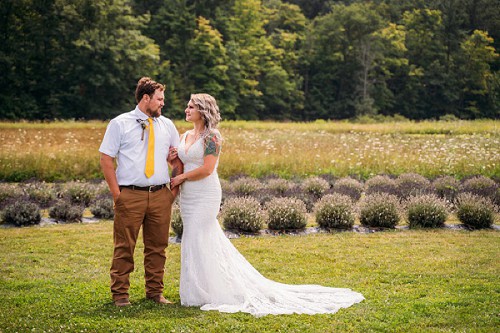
[(69, 150), (56, 279)]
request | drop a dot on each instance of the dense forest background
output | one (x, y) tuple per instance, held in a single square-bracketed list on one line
[(269, 59)]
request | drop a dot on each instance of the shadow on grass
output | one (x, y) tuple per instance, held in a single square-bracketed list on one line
[(141, 309)]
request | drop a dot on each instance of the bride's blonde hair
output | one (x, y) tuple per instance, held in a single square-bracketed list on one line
[(209, 110)]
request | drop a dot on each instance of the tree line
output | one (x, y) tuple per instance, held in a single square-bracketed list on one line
[(261, 59)]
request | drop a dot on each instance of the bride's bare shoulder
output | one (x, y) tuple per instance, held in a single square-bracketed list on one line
[(216, 133), (188, 132)]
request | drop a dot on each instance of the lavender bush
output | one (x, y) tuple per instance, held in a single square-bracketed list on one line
[(316, 186), (286, 213), (22, 213), (40, 193), (446, 187), (475, 211), (350, 187), (243, 214), (381, 184), (65, 211), (9, 193), (245, 186), (426, 211), (480, 185), (103, 208), (380, 210), (79, 193), (335, 211), (409, 184)]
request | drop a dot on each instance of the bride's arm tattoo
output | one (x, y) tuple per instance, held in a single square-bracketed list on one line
[(212, 145), (177, 167), (175, 171)]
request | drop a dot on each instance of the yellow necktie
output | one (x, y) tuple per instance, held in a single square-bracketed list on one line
[(150, 157)]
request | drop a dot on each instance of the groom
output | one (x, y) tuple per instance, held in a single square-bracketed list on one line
[(139, 141)]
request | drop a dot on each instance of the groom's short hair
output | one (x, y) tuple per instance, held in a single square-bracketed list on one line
[(147, 86)]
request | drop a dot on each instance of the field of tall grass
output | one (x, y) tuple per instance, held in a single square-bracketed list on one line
[(69, 150)]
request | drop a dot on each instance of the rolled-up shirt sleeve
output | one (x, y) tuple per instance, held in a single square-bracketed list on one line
[(110, 144)]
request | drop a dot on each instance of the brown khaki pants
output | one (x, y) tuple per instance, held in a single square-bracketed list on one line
[(152, 211)]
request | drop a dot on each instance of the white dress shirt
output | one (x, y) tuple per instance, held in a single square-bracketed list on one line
[(122, 141)]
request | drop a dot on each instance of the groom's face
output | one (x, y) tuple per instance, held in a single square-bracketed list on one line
[(156, 103)]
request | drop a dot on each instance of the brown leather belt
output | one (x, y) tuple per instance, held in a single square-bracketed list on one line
[(152, 188)]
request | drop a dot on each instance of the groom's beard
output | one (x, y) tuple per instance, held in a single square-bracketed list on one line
[(155, 113)]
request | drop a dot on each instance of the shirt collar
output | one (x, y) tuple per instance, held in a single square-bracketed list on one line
[(141, 115)]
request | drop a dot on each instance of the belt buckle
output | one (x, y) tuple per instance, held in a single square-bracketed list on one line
[(151, 187)]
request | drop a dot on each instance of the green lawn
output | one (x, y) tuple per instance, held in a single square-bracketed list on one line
[(55, 279)]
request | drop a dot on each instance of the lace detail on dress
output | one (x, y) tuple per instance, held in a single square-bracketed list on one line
[(215, 276)]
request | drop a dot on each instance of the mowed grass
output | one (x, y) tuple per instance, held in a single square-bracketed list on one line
[(55, 279), (69, 150)]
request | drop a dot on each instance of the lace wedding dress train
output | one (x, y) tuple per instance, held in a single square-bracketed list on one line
[(215, 276)]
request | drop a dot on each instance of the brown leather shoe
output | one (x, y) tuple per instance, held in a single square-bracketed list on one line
[(160, 299), (122, 302)]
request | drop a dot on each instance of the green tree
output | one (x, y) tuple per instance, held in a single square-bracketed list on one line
[(259, 83), (279, 59), (286, 29), (378, 69), (172, 27), (427, 90), (453, 17), (483, 15), (312, 8), (112, 55), (71, 58), (31, 56), (245, 45), (344, 52), (476, 78), (209, 69)]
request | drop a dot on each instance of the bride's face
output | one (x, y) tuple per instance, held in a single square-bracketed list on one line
[(192, 113)]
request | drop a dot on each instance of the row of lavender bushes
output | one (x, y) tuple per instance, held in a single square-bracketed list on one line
[(21, 204), (249, 204)]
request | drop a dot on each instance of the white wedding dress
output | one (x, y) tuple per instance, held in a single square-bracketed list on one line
[(215, 276)]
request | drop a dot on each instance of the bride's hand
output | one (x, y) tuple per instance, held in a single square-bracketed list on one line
[(176, 181), (172, 154)]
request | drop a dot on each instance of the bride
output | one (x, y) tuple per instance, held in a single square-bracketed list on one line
[(214, 275)]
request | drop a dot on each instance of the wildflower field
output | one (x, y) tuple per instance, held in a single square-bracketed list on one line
[(69, 150)]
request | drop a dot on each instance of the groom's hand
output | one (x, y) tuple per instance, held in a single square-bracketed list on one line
[(175, 182), (108, 169), (172, 154), (115, 196), (175, 191)]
